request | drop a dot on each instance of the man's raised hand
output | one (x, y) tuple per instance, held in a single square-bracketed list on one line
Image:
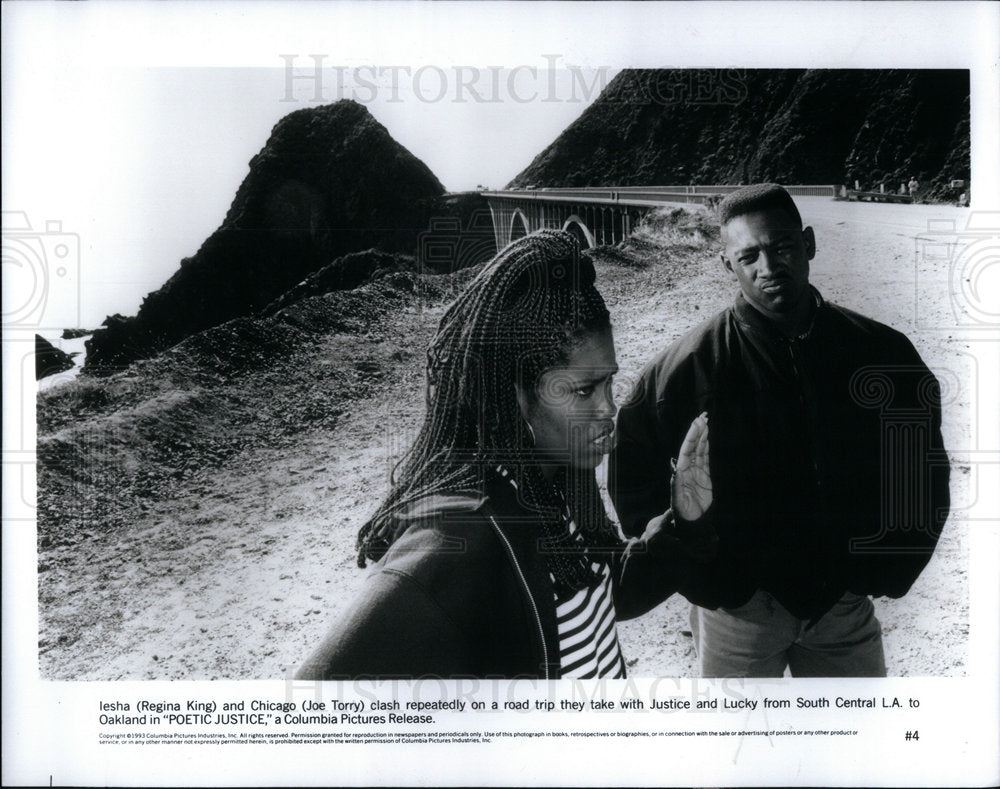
[(691, 485)]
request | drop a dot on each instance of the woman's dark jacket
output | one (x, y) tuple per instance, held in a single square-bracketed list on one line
[(466, 592)]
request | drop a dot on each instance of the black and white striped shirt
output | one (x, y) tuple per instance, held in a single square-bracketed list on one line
[(588, 632)]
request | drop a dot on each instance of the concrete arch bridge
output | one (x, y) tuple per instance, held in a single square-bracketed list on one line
[(598, 216)]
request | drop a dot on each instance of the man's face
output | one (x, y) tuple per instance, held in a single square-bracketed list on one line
[(571, 410), (769, 254)]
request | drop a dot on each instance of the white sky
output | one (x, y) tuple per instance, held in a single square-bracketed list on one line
[(132, 124), (142, 163)]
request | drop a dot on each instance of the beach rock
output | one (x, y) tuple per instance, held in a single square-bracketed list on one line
[(72, 334), (50, 360)]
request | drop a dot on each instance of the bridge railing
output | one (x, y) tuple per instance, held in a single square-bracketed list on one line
[(672, 193), (643, 197), (817, 190), (607, 213)]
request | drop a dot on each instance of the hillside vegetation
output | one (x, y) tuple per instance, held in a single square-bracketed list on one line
[(792, 126)]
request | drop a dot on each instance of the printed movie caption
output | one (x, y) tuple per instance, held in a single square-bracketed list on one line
[(261, 712)]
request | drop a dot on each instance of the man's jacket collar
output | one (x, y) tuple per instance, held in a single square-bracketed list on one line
[(751, 318)]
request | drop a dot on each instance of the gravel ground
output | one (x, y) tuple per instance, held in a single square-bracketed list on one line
[(237, 567)]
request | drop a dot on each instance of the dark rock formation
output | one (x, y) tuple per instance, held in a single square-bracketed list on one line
[(344, 273), (329, 181), (459, 234), (729, 126), (49, 360)]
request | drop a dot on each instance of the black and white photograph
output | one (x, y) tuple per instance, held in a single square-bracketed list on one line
[(600, 373)]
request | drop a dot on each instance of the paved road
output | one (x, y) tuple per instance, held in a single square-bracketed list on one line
[(916, 218)]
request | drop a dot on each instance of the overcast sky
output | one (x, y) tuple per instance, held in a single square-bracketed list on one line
[(132, 124), (142, 163)]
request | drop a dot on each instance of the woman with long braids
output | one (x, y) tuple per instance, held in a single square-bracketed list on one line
[(495, 555)]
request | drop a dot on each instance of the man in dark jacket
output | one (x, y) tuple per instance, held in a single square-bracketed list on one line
[(830, 477)]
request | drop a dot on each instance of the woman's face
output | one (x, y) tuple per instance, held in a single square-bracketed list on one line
[(572, 409)]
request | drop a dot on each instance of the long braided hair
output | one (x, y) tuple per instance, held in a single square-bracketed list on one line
[(520, 315)]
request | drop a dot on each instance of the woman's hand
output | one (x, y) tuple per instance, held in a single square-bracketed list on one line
[(691, 485)]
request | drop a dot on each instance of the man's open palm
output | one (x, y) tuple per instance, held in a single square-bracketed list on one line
[(691, 491)]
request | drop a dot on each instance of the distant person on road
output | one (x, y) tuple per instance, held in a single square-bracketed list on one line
[(829, 477), (495, 556), (913, 185)]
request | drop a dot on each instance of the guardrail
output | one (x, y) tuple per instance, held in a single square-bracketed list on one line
[(878, 197), (602, 196), (648, 195)]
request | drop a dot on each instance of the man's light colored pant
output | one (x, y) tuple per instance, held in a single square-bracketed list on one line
[(761, 639)]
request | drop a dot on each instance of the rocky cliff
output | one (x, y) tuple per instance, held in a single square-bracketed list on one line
[(328, 182), (729, 126)]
